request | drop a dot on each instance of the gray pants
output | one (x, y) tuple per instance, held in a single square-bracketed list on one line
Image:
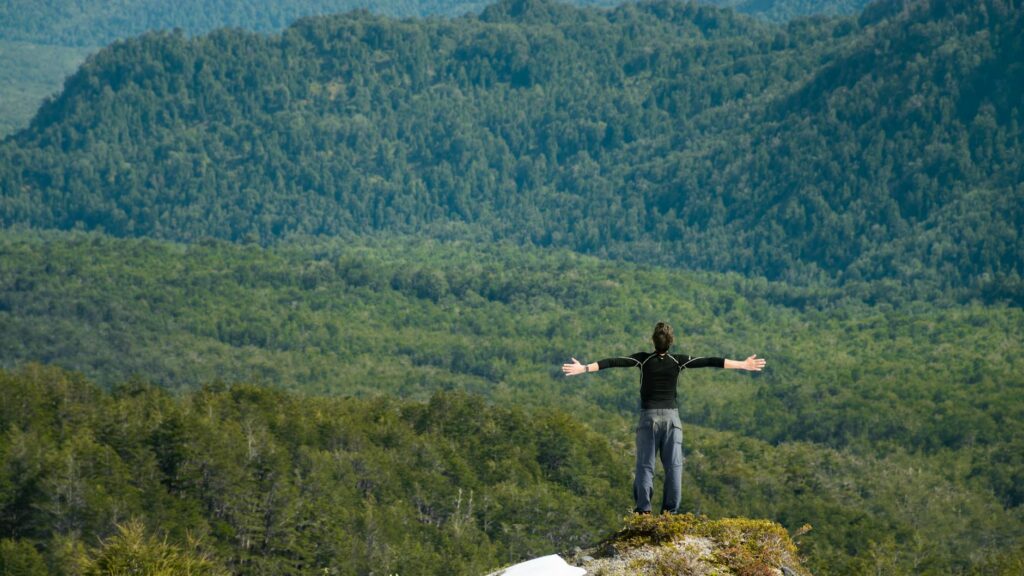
[(659, 432)]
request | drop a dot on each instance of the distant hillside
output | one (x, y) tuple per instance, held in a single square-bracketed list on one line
[(878, 149), (30, 73), (499, 320), (913, 135), (55, 30), (785, 10), (97, 23), (40, 39)]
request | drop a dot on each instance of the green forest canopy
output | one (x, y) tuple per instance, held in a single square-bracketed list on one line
[(42, 42), (499, 321), (359, 184), (865, 413), (96, 23), (259, 481), (857, 151)]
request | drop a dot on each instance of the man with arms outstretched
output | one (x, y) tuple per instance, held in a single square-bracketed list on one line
[(659, 429)]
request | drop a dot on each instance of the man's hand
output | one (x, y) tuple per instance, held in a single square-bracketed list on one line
[(753, 363), (573, 368)]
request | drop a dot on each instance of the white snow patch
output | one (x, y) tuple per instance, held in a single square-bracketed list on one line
[(544, 566)]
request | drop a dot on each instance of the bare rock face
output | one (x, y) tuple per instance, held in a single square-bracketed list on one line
[(688, 545)]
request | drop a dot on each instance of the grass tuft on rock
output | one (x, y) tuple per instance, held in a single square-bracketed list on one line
[(689, 545)]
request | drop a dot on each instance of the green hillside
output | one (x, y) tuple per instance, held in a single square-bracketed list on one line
[(255, 481), (785, 10), (97, 23), (42, 42), (277, 484), (863, 408), (30, 73), (636, 133), (499, 321), (296, 302)]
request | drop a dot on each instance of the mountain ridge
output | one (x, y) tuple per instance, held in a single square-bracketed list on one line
[(57, 33), (655, 123)]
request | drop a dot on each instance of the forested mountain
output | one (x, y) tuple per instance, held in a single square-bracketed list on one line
[(914, 135), (880, 148), (97, 23), (38, 39), (328, 276), (784, 10)]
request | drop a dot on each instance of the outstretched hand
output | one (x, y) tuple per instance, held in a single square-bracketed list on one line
[(753, 363), (573, 368)]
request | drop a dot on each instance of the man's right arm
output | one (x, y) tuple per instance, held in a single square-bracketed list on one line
[(573, 368)]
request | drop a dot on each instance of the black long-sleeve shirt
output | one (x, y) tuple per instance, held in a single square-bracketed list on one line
[(659, 374)]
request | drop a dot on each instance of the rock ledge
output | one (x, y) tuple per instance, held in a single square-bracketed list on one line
[(688, 545)]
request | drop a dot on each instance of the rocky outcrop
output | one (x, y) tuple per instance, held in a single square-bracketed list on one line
[(688, 545)]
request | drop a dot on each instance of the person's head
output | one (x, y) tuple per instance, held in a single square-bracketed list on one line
[(662, 337)]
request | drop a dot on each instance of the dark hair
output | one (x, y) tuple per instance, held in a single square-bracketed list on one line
[(662, 337)]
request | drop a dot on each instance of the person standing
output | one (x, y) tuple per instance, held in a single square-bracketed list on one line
[(659, 430)]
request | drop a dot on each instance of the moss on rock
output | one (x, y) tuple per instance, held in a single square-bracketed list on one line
[(688, 545)]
